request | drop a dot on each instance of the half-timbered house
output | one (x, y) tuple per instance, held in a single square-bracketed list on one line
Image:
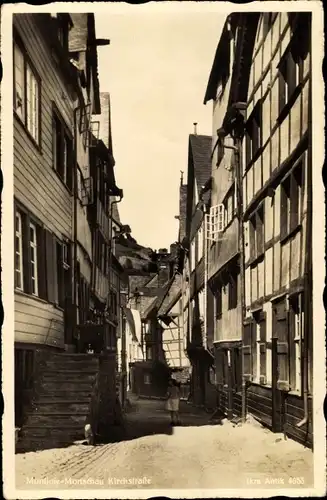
[(277, 226), (223, 227), (195, 297)]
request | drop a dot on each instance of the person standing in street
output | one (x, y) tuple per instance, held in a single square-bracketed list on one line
[(173, 398)]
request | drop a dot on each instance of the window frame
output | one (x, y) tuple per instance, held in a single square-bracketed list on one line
[(291, 200), (253, 134), (257, 227), (23, 117), (62, 150), (290, 75), (34, 263), (19, 235)]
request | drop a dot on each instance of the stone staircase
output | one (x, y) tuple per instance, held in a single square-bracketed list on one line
[(61, 403)]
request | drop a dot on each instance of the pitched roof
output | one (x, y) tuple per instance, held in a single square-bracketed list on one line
[(201, 146), (171, 296)]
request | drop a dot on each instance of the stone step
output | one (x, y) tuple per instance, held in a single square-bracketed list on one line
[(69, 364), (74, 356), (57, 395), (68, 376), (53, 432), (52, 386), (69, 407), (76, 420)]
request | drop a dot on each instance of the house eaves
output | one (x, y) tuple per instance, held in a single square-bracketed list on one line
[(172, 295), (221, 64)]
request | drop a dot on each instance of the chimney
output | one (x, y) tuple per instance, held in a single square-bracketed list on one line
[(195, 128), (182, 176)]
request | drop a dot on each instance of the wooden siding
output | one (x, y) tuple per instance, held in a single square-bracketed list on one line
[(229, 326), (259, 404), (37, 322), (36, 184)]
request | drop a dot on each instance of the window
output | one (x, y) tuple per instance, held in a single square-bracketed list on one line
[(215, 222), (149, 353), (147, 378), (296, 336), (281, 332), (33, 259), (30, 276), (19, 253), (63, 255), (253, 133), (257, 233), (218, 302), (229, 206), (291, 68), (291, 201), (26, 93), (232, 288), (261, 347), (62, 151)]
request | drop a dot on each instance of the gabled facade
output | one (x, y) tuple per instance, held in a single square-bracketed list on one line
[(267, 116), (195, 297), (170, 319)]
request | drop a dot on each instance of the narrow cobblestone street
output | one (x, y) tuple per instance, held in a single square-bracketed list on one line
[(154, 455)]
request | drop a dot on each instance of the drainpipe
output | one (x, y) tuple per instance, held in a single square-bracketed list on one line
[(307, 284), (239, 191), (239, 188), (110, 238), (74, 308)]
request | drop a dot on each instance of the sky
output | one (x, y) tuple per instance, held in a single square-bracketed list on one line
[(156, 69)]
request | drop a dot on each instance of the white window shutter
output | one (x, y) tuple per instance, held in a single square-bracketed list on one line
[(220, 217), (208, 227)]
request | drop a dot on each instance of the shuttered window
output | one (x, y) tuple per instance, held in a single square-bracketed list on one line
[(257, 233), (253, 140), (281, 332), (296, 326), (261, 348), (26, 92), (19, 252), (29, 255)]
